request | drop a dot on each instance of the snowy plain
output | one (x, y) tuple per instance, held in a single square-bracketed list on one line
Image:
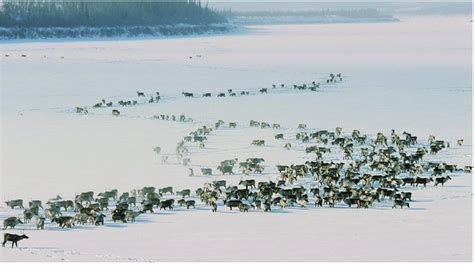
[(413, 75)]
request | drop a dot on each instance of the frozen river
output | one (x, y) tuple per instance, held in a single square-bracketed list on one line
[(413, 75)]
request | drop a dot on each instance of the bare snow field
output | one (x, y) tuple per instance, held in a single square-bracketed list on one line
[(413, 75)]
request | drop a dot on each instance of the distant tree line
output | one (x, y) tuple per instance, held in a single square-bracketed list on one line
[(63, 13), (111, 32)]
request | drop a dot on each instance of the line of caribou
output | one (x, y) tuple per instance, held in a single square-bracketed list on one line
[(123, 103), (156, 97), (312, 87)]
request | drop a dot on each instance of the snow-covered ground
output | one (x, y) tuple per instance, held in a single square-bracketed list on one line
[(413, 76)]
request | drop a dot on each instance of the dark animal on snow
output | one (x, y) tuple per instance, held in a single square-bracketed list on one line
[(232, 203), (267, 207), (351, 201), (99, 219), (184, 193), (85, 197), (11, 222), (247, 183), (410, 181), (190, 203), (214, 206), (226, 169), (109, 194), (14, 238), (422, 181), (165, 190), (119, 215), (35, 203), (318, 201), (147, 190), (258, 142), (124, 196), (104, 203), (15, 203), (206, 171), (64, 221), (219, 183), (442, 180), (27, 215), (147, 207), (406, 195), (400, 203), (63, 204), (167, 204)]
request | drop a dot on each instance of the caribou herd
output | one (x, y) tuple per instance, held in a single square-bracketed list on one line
[(370, 171)]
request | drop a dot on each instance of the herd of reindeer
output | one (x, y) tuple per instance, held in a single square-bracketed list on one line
[(369, 171)]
